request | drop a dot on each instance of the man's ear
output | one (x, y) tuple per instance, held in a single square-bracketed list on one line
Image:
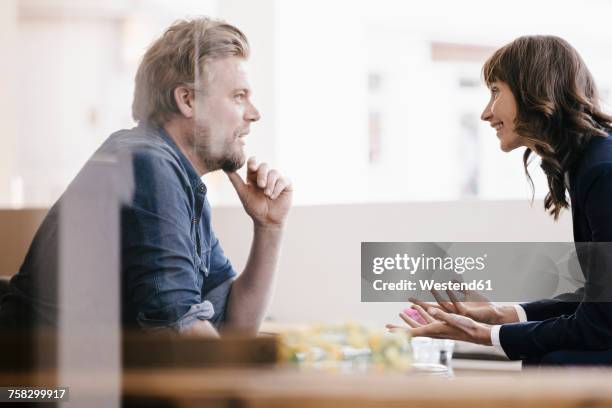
[(184, 99)]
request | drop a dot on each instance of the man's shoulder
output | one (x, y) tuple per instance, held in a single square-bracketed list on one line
[(145, 155), (139, 140), (142, 146)]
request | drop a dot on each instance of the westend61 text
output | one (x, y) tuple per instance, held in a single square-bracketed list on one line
[(429, 284)]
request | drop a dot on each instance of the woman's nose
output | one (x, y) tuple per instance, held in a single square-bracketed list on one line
[(486, 113)]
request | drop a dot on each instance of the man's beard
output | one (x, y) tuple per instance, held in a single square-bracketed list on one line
[(231, 163), (227, 157)]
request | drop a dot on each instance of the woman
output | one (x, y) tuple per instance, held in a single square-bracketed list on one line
[(543, 97)]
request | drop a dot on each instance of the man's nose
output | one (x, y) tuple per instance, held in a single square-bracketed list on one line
[(252, 114)]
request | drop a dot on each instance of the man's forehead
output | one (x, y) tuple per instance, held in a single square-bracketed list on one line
[(229, 72)]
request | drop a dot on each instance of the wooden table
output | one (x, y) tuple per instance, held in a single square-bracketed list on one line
[(282, 387), (151, 379)]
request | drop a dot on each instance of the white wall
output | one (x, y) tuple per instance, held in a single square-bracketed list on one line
[(319, 277), (8, 42), (76, 62)]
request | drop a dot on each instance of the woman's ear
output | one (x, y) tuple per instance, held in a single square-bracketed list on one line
[(184, 99)]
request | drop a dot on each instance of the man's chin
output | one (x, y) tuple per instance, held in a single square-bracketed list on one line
[(232, 164)]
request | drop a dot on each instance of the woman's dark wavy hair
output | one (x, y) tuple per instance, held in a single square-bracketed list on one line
[(557, 105)]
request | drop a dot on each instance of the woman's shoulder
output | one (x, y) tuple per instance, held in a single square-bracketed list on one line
[(599, 149), (595, 166)]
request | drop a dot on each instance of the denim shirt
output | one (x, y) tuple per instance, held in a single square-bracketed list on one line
[(173, 269)]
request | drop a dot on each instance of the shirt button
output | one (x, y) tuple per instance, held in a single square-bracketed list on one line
[(202, 188)]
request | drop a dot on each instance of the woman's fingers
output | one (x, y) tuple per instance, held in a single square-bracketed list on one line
[(426, 316), (460, 322), (424, 305), (394, 327), (436, 330), (423, 331), (444, 304), (410, 321), (459, 308), (471, 295)]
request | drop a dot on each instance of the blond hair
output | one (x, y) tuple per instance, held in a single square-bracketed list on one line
[(172, 59)]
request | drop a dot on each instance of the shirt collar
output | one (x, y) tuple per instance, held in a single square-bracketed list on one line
[(196, 181)]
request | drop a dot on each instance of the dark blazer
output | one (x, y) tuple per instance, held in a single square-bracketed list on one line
[(559, 324)]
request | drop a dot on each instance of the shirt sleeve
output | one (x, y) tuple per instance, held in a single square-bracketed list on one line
[(547, 308), (590, 328), (522, 316), (495, 339), (220, 280), (218, 297), (220, 265), (158, 253)]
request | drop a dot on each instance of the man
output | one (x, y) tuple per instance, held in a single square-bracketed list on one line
[(192, 102)]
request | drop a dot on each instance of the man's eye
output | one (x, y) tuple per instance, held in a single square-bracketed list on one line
[(239, 97)]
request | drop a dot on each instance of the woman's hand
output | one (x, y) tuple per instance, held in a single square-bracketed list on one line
[(474, 305), (443, 325)]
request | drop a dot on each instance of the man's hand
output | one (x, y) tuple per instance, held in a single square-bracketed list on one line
[(266, 195), (442, 325), (474, 305)]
